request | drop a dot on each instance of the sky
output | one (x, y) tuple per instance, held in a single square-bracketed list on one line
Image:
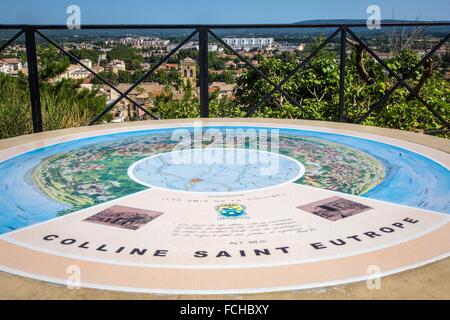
[(215, 11)]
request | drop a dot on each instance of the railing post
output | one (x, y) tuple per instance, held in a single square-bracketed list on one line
[(342, 75), (33, 79), (203, 64)]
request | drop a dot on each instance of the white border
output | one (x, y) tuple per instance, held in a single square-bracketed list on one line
[(227, 291)]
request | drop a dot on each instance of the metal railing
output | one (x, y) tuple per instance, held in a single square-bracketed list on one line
[(204, 33)]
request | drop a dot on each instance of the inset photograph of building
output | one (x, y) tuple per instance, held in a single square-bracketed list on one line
[(335, 208)]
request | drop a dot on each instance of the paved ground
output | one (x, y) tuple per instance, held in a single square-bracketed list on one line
[(430, 282)]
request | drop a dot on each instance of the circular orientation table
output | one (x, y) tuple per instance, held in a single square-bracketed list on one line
[(222, 205)]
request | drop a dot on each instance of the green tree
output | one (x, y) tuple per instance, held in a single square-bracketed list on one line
[(169, 108), (445, 60), (215, 62), (185, 53), (51, 62), (315, 87), (225, 76), (131, 56), (92, 55)]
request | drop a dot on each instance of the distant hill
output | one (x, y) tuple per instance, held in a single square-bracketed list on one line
[(437, 30), (355, 21), (341, 21)]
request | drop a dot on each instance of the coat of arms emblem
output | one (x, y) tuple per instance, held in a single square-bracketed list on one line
[(232, 211)]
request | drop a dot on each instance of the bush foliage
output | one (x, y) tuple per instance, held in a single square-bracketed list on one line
[(315, 88)]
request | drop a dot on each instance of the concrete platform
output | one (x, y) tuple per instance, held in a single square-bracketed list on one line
[(406, 251)]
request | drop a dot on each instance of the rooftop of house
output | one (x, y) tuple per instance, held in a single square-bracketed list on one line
[(10, 61)]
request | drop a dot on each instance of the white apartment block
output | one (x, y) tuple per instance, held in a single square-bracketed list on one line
[(249, 43), (194, 45), (144, 42), (75, 72)]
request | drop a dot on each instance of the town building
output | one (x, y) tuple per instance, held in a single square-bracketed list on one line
[(447, 75), (4, 68), (223, 89), (144, 94), (116, 65), (11, 66), (75, 72), (170, 66), (87, 63), (98, 69), (144, 42), (291, 47)]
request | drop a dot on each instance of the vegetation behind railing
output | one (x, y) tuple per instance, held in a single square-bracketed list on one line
[(351, 84), (63, 106)]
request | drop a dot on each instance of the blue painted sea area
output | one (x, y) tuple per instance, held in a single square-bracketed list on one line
[(411, 179), (21, 203)]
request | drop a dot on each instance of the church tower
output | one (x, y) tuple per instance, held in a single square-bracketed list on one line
[(189, 72)]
